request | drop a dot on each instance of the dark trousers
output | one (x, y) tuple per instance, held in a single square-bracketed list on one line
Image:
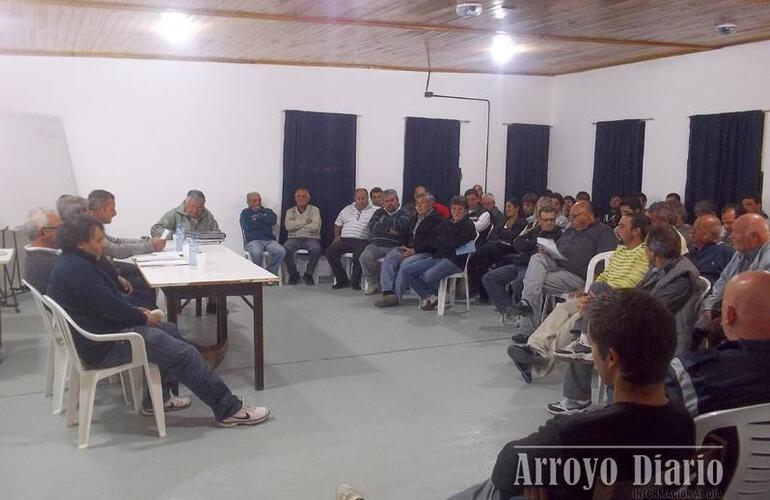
[(334, 257), (178, 361), (489, 253)]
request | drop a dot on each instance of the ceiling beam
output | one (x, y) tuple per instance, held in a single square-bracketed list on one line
[(342, 21)]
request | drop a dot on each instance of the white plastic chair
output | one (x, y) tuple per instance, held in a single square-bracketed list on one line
[(304, 253), (451, 281), (752, 471), (83, 379), (57, 365), (263, 265), (549, 300), (707, 288), (347, 260)]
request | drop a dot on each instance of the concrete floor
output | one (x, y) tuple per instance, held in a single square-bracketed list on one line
[(402, 403)]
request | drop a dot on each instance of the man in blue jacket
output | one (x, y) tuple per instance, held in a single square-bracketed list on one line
[(257, 226), (91, 298)]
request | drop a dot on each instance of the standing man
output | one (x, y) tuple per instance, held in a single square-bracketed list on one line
[(101, 206), (388, 229), (351, 234), (257, 226), (303, 227), (192, 214)]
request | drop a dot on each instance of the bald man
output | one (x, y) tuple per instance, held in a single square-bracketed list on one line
[(750, 240), (736, 372), (707, 251)]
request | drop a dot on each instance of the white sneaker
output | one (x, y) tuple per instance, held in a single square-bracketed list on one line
[(174, 403), (347, 492), (247, 415)]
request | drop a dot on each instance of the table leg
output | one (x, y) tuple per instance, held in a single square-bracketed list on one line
[(221, 320), (259, 346)]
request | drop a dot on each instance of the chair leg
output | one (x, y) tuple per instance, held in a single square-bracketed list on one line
[(442, 297), (156, 395), (467, 295), (452, 291), (87, 393), (136, 378), (49, 368), (72, 399), (60, 370), (125, 384)]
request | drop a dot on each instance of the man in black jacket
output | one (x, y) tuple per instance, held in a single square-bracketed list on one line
[(513, 266), (90, 296), (427, 229)]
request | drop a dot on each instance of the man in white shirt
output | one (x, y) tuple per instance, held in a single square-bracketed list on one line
[(351, 234)]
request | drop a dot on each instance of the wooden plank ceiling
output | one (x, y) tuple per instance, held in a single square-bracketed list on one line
[(554, 37)]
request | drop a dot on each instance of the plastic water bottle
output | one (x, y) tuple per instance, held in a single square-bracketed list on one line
[(179, 237), (193, 251)]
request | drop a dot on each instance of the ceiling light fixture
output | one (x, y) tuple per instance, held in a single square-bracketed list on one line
[(502, 49), (176, 27)]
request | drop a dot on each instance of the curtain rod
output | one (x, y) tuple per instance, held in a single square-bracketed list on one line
[(762, 110), (461, 121), (518, 123), (640, 119)]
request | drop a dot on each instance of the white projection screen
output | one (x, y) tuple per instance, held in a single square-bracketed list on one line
[(35, 166)]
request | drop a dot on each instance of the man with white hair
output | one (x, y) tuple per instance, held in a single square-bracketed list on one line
[(192, 214), (70, 205), (41, 226), (257, 224), (101, 206)]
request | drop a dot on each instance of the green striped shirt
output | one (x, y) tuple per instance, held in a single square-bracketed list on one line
[(626, 268)]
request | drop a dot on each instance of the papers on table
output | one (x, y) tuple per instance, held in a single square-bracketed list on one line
[(548, 247), (158, 259)]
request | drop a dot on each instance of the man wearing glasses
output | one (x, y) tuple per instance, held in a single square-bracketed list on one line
[(41, 227), (565, 271)]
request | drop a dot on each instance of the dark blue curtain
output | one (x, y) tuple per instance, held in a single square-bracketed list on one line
[(618, 159), (319, 154), (432, 157), (526, 161), (724, 162)]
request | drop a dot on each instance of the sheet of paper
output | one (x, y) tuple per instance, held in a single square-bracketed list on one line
[(549, 248)]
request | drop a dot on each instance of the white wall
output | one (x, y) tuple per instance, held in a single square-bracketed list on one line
[(150, 130), (668, 90)]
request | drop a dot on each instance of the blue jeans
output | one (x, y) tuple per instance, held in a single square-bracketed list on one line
[(256, 248), (178, 361), (313, 247), (425, 275), (391, 277)]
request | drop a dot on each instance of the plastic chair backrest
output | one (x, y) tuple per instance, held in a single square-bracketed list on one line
[(45, 313), (707, 288), (599, 257), (468, 249), (61, 324), (752, 472)]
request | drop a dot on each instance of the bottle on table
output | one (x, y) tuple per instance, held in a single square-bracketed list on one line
[(193, 251), (179, 237)]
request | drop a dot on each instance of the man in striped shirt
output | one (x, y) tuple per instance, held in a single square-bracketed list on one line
[(351, 234), (626, 268)]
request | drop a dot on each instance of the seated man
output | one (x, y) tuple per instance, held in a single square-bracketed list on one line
[(513, 266), (585, 238), (41, 254), (101, 206), (707, 251), (672, 279), (351, 234), (303, 232), (376, 196), (634, 337), (426, 232), (425, 275), (613, 215), (490, 205), (388, 228), (480, 217), (257, 226), (90, 297), (70, 205), (752, 204), (626, 269), (730, 212), (662, 213), (192, 214), (419, 192)]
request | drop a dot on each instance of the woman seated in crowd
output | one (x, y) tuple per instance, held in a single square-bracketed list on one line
[(425, 275)]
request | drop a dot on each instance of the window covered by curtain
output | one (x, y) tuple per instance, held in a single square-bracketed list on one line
[(618, 159), (432, 157), (526, 162)]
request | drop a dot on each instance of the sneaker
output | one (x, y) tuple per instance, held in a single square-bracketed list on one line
[(387, 300), (509, 317), (174, 403), (293, 279), (247, 415), (309, 280), (520, 309), (568, 407), (373, 290), (575, 350), (347, 492), (341, 284), (429, 304)]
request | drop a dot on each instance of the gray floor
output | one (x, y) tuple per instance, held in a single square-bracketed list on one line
[(402, 403)]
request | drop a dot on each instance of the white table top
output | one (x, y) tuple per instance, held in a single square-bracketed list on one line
[(6, 256), (217, 265)]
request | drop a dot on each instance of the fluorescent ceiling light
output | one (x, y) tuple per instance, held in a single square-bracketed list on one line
[(503, 49), (176, 27), (498, 12)]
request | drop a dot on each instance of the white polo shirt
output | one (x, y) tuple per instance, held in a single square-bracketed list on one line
[(354, 222)]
